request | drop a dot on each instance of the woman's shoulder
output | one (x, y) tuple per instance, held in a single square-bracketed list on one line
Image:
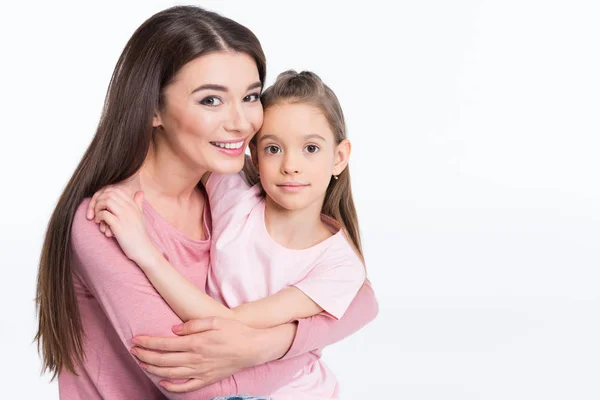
[(80, 220), (83, 230)]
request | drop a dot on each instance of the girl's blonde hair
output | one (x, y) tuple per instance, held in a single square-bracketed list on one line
[(307, 88)]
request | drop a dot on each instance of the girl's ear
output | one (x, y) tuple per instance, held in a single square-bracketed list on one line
[(342, 154)]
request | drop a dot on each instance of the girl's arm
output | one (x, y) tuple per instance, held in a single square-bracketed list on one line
[(121, 297), (132, 307), (189, 302), (126, 220)]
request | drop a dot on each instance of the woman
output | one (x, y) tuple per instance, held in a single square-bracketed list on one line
[(183, 100)]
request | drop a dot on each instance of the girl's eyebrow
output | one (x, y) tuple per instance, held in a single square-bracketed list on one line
[(268, 136), (306, 137), (315, 136)]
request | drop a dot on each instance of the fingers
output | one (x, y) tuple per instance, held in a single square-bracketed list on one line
[(164, 343), (104, 228), (107, 217), (196, 326), (106, 202), (92, 206), (191, 385), (113, 200), (138, 198), (176, 359), (168, 372)]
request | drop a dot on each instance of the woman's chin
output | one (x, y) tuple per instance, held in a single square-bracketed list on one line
[(227, 165)]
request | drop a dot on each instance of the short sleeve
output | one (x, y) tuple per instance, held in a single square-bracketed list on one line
[(334, 281), (225, 191)]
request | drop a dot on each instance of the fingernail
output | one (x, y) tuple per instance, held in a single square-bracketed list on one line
[(177, 328), (136, 340), (89, 215), (143, 365), (133, 351)]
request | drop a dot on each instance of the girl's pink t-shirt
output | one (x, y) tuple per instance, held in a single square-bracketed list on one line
[(248, 265), (117, 302)]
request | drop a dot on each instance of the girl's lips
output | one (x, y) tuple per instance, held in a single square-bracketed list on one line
[(292, 187)]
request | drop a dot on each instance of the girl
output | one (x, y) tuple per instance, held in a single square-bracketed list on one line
[(301, 213)]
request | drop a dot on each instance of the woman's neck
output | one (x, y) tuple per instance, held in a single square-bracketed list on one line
[(164, 175), (171, 187), (295, 229)]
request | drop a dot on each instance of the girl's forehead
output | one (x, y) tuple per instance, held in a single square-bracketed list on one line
[(295, 116)]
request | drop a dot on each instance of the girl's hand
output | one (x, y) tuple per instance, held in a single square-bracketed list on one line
[(129, 186), (124, 218)]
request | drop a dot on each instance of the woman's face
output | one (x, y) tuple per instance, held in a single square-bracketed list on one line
[(211, 111)]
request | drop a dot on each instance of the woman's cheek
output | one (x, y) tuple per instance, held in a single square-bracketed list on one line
[(257, 119)]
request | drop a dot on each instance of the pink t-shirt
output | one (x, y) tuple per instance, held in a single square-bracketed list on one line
[(117, 302), (248, 265)]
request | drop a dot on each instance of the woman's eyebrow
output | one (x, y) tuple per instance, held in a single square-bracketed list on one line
[(210, 86), (221, 88)]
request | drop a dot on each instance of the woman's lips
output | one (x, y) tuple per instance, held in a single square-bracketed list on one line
[(230, 147)]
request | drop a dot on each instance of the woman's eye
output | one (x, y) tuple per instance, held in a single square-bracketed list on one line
[(272, 149), (251, 98), (211, 101), (311, 148)]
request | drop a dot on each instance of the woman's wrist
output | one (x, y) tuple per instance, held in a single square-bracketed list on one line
[(273, 343)]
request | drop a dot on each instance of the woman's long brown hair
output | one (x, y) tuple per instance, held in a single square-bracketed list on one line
[(306, 87), (149, 62)]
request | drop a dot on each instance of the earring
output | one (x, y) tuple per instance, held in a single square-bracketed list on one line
[(335, 177)]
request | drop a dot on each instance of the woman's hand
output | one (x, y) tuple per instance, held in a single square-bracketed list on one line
[(124, 217), (209, 350)]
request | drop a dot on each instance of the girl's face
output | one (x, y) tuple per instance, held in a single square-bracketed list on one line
[(296, 155), (211, 111)]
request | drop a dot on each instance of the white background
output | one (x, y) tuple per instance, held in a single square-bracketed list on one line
[(476, 130)]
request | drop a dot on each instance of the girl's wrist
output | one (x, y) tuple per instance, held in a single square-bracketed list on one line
[(273, 343), (151, 259)]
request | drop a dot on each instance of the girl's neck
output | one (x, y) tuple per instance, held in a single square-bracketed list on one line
[(295, 229)]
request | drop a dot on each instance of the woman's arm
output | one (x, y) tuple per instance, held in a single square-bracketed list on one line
[(320, 331), (133, 307), (272, 350), (230, 348)]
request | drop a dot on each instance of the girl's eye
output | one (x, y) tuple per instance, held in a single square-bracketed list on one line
[(211, 101), (251, 98), (312, 148), (272, 149)]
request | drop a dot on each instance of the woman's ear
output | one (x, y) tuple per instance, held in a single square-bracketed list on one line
[(342, 154), (156, 120)]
